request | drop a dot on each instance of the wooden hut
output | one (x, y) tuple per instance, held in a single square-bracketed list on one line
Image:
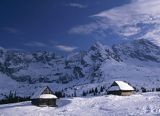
[(120, 88), (44, 97)]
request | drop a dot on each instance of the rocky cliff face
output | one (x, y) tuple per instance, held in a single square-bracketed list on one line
[(48, 67), (143, 50)]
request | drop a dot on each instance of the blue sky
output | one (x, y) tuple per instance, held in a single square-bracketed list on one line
[(62, 26)]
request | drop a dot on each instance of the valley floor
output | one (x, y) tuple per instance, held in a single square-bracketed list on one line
[(147, 104)]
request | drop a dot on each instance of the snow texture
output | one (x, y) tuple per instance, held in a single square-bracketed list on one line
[(147, 104), (48, 96)]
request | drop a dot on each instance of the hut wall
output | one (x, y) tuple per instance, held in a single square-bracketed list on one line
[(126, 93), (44, 102), (123, 93), (114, 92), (35, 102)]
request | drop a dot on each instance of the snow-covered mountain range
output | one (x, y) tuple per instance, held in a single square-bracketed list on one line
[(137, 62)]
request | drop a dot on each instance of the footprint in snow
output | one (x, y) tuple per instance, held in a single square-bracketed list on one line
[(105, 109)]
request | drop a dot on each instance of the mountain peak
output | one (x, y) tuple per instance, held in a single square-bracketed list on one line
[(1, 48), (145, 42), (99, 46), (141, 49)]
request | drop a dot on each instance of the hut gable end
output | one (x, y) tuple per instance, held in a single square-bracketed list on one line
[(47, 91), (114, 84), (41, 91)]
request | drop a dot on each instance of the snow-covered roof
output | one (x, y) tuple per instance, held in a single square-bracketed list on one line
[(39, 94), (114, 88), (121, 85), (48, 96)]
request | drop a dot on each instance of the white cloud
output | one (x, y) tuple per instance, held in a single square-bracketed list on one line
[(66, 48), (129, 31), (154, 36), (15, 49), (35, 44), (50, 45), (135, 12), (98, 26), (11, 30), (126, 21), (84, 29), (76, 5)]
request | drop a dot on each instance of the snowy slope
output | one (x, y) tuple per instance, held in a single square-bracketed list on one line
[(147, 104), (6, 83), (137, 62)]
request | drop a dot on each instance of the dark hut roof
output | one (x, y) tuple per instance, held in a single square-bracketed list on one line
[(39, 94)]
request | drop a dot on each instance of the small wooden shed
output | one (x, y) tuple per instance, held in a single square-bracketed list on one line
[(120, 88), (44, 97)]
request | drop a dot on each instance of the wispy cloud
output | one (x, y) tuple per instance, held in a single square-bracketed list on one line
[(66, 48), (84, 29), (51, 45), (35, 44), (11, 30), (127, 21), (135, 12), (15, 49), (76, 5)]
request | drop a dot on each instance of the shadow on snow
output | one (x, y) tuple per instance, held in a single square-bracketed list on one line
[(23, 104), (63, 102)]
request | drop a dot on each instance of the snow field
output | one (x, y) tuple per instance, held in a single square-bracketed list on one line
[(147, 104)]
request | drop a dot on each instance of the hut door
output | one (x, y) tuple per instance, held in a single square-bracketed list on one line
[(48, 102)]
